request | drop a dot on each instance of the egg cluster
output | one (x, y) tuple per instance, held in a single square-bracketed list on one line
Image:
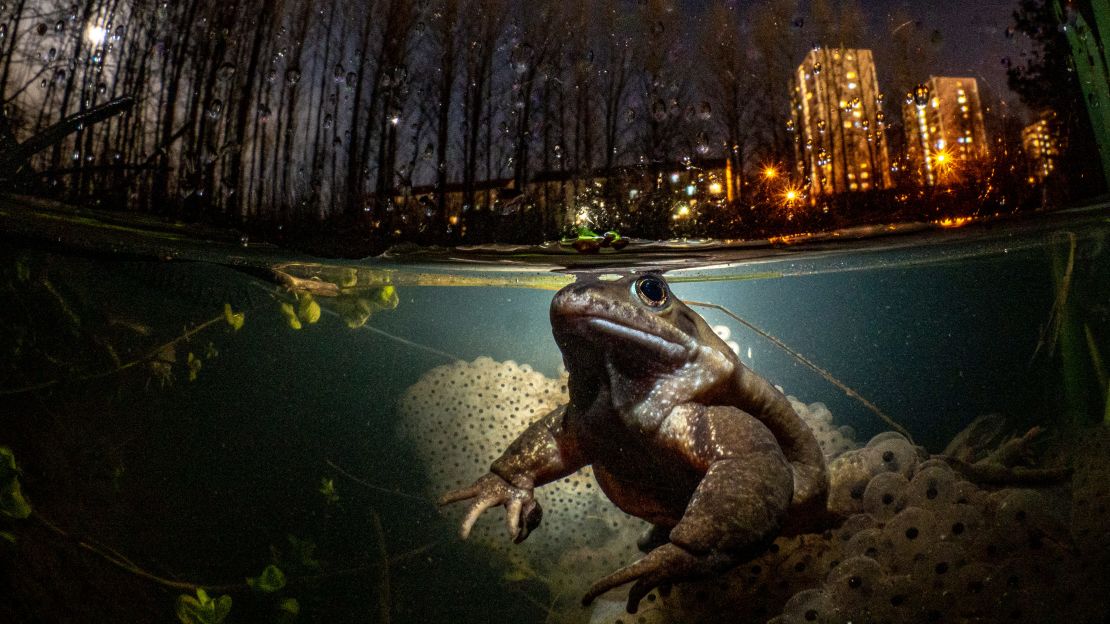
[(462, 416), (921, 544)]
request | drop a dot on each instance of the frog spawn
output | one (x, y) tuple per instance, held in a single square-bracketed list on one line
[(460, 417), (928, 548)]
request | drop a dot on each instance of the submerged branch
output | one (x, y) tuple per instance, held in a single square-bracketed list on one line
[(381, 563), (377, 488), (826, 375)]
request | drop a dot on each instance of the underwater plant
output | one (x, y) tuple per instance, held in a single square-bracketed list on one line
[(327, 488), (202, 609), (12, 503), (271, 580)]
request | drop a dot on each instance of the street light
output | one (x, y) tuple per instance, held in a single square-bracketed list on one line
[(770, 172)]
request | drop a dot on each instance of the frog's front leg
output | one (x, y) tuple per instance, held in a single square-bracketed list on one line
[(546, 451), (736, 510)]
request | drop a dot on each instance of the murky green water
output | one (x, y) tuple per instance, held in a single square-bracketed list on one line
[(166, 443)]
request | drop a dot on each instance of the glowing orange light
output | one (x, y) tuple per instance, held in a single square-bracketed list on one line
[(791, 196), (954, 222), (770, 172)]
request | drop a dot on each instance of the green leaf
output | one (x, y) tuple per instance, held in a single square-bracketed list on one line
[(235, 319), (7, 536), (304, 552), (12, 503), (327, 488), (202, 609), (271, 580), (290, 606)]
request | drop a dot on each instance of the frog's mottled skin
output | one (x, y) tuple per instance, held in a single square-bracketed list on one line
[(678, 431)]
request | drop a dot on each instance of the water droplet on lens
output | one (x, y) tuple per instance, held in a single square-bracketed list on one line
[(921, 95)]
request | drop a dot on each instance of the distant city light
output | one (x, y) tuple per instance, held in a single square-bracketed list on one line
[(690, 190), (715, 188), (96, 34), (674, 178), (770, 172)]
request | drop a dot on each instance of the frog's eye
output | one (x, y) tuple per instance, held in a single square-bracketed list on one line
[(652, 291)]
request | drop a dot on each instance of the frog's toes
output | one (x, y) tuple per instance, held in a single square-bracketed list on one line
[(664, 565)]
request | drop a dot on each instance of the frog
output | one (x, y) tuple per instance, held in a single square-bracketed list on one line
[(678, 432)]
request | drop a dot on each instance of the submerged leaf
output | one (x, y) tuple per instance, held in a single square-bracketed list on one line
[(271, 580), (327, 488), (290, 315), (308, 310), (303, 551), (202, 609), (194, 366), (235, 319), (290, 606), (12, 503)]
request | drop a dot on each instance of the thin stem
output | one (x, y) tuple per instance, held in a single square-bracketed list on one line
[(376, 488), (826, 375)]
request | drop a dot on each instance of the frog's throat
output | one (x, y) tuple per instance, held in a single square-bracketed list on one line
[(666, 348)]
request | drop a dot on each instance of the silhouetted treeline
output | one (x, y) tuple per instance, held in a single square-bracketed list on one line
[(288, 111)]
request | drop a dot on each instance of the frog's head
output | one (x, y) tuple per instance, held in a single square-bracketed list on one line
[(633, 327)]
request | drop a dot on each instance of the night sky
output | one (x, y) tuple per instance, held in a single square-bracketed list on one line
[(973, 36)]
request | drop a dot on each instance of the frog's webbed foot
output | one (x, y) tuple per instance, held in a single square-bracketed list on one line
[(666, 564), (522, 512)]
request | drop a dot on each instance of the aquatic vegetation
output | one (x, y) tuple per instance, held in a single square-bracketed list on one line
[(302, 552), (305, 312), (234, 319), (356, 310), (12, 503), (194, 363), (202, 609), (327, 488), (587, 241), (271, 580)]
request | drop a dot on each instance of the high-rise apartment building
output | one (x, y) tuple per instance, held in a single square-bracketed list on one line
[(1042, 145), (945, 133), (838, 115)]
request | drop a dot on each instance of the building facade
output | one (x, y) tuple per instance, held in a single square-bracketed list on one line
[(839, 119), (1042, 145), (945, 133)]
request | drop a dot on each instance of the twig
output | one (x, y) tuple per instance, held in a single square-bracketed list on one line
[(812, 366), (376, 488), (124, 564), (383, 569)]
